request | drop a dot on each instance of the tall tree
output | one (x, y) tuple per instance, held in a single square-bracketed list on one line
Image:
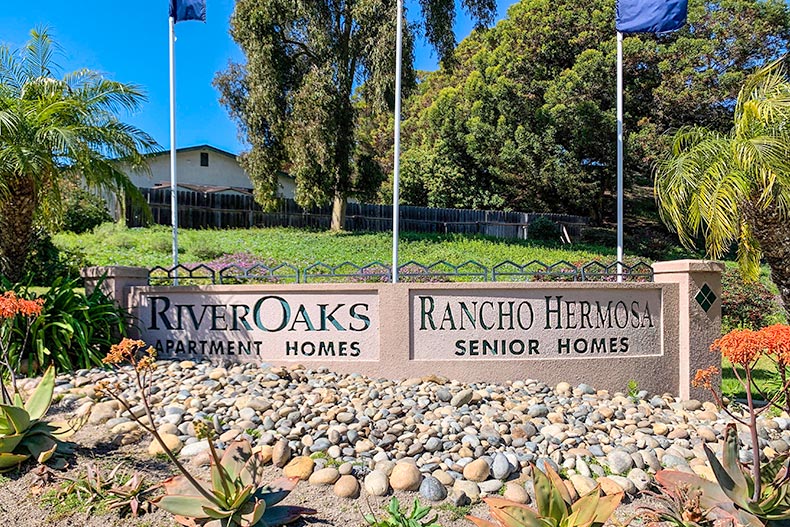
[(734, 187), (525, 118), (51, 127), (294, 98)]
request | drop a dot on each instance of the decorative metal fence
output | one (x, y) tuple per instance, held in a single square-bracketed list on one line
[(469, 271)]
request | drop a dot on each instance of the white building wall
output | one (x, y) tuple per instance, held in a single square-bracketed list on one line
[(222, 171)]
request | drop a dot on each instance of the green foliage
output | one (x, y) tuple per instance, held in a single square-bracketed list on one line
[(53, 128), (544, 229), (328, 461), (745, 304), (633, 390), (294, 97), (731, 496), (62, 506), (236, 493), (46, 262), (83, 210), (398, 518), (526, 110), (731, 187), (456, 512), (23, 433), (114, 491), (117, 245), (557, 506), (73, 331)]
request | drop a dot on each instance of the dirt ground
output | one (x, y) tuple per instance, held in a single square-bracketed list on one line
[(23, 503)]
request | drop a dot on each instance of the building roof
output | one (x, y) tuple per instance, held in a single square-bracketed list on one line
[(195, 148), (206, 189)]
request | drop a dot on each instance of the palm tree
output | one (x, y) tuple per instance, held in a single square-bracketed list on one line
[(50, 128), (735, 187)]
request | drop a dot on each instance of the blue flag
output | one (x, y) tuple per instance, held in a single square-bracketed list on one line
[(650, 16), (183, 10)]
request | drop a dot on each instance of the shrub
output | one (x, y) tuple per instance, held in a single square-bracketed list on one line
[(745, 304), (84, 211), (45, 261), (73, 331), (543, 229), (599, 236)]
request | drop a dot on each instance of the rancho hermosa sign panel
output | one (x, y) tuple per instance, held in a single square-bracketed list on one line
[(533, 324)]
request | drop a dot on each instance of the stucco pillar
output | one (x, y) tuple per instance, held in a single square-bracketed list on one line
[(699, 304), (116, 281)]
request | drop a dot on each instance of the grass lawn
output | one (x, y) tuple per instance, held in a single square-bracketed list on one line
[(732, 388), (117, 245)]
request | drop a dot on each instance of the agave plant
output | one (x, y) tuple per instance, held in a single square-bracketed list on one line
[(557, 506), (23, 434), (731, 496), (235, 496)]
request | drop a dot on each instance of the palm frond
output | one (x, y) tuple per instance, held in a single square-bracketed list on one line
[(707, 179)]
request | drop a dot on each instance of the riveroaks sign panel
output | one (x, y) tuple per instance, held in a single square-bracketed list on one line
[(527, 324), (273, 326)]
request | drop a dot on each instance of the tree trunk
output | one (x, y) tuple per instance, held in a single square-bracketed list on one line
[(16, 226), (338, 213), (772, 230)]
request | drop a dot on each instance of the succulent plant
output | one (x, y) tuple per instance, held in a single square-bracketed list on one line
[(397, 518), (680, 506), (557, 506), (114, 491), (235, 496), (22, 432), (731, 495)]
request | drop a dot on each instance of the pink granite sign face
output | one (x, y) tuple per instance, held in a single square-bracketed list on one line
[(532, 324), (270, 326)]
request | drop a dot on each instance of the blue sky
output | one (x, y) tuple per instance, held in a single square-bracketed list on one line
[(127, 41)]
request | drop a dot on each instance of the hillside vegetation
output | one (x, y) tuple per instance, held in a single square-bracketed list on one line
[(112, 244)]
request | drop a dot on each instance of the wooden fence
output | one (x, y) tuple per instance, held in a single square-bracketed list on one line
[(197, 210)]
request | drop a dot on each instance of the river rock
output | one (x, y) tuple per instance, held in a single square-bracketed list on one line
[(516, 492), (477, 470), (300, 467), (432, 489), (173, 443), (500, 468), (461, 398), (469, 488), (324, 476), (376, 483), (347, 487), (281, 453), (405, 476)]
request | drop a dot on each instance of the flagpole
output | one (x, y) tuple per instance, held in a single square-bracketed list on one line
[(619, 156), (173, 182), (396, 161)]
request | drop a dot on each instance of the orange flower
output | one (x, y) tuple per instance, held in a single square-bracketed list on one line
[(30, 308), (126, 350), (8, 305), (11, 305), (740, 346), (777, 342), (704, 378)]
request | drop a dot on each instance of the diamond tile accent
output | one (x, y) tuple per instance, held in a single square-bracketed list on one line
[(705, 297)]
